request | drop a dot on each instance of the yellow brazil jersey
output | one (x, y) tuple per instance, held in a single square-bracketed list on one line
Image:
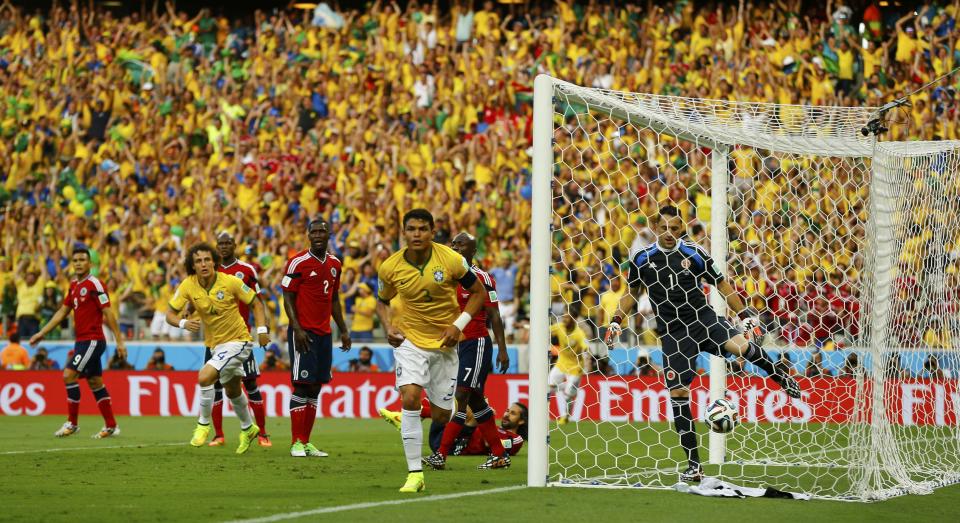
[(217, 306), (427, 294), (570, 347)]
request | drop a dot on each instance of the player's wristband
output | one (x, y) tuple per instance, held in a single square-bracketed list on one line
[(617, 319), (462, 321), (183, 324), (262, 330)]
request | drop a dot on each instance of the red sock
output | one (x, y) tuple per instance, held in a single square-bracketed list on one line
[(425, 408), (492, 436), (218, 418), (309, 416), (296, 423), (450, 433), (73, 402), (105, 406), (259, 413)]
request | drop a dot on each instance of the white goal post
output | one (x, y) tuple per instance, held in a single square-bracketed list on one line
[(848, 246)]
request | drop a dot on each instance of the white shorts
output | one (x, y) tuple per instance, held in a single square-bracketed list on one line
[(228, 359), (566, 383), (434, 370)]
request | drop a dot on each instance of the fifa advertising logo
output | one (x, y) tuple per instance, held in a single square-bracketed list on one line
[(438, 275)]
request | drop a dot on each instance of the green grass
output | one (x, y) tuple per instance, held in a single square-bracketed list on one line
[(158, 477)]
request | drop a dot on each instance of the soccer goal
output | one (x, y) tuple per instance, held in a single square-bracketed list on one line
[(846, 246)]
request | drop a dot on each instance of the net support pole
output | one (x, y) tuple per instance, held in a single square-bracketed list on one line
[(540, 256), (718, 251)]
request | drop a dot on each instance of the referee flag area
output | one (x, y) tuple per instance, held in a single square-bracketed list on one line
[(150, 473)]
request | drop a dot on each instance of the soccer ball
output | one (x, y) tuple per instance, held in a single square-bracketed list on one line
[(722, 416)]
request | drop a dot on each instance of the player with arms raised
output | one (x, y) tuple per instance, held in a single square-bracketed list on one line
[(216, 297), (476, 361), (672, 270), (90, 302), (229, 264), (311, 295), (424, 277)]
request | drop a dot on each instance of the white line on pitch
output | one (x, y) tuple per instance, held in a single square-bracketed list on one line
[(65, 449), (357, 506)]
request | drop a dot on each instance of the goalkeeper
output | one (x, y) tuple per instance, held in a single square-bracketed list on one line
[(672, 270)]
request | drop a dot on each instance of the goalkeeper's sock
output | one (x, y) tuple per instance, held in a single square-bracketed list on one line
[(683, 422), (759, 357), (73, 402), (451, 431), (412, 433), (488, 429), (437, 430), (206, 404)]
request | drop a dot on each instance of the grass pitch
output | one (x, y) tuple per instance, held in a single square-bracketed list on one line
[(150, 473)]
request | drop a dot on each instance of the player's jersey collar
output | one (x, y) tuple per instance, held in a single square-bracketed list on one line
[(666, 250), (321, 260), (235, 261)]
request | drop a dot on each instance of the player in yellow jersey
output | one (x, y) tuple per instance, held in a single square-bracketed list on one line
[(215, 297), (424, 277), (571, 343)]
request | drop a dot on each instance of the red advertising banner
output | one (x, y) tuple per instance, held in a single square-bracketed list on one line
[(356, 395)]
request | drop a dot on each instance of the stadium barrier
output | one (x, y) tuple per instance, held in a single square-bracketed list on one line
[(360, 395)]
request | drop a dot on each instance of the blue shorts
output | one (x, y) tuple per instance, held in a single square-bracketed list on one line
[(683, 344), (476, 362), (314, 365), (87, 357), (250, 367)]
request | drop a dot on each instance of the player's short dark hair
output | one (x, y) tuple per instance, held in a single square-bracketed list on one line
[(669, 210), (418, 214), (80, 250), (316, 221), (524, 415), (200, 247)]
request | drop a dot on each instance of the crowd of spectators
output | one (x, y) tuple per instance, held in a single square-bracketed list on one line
[(139, 133)]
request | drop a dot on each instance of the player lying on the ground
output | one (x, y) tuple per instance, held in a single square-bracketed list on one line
[(672, 271), (512, 432)]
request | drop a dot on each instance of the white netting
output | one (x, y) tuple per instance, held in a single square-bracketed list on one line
[(848, 249)]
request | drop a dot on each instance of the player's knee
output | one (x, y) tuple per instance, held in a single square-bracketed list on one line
[(410, 397), (95, 382), (477, 403), (680, 393), (463, 397)]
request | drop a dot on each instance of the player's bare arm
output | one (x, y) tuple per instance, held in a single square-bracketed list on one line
[(734, 302), (58, 317), (173, 319), (451, 334), (260, 320), (496, 323), (110, 318), (394, 336), (337, 312), (299, 334)]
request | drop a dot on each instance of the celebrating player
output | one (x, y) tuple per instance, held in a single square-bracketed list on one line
[(424, 276), (229, 264), (311, 295), (91, 305), (671, 270), (476, 361), (564, 379), (216, 297)]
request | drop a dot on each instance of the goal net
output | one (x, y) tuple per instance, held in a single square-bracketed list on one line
[(846, 247)]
